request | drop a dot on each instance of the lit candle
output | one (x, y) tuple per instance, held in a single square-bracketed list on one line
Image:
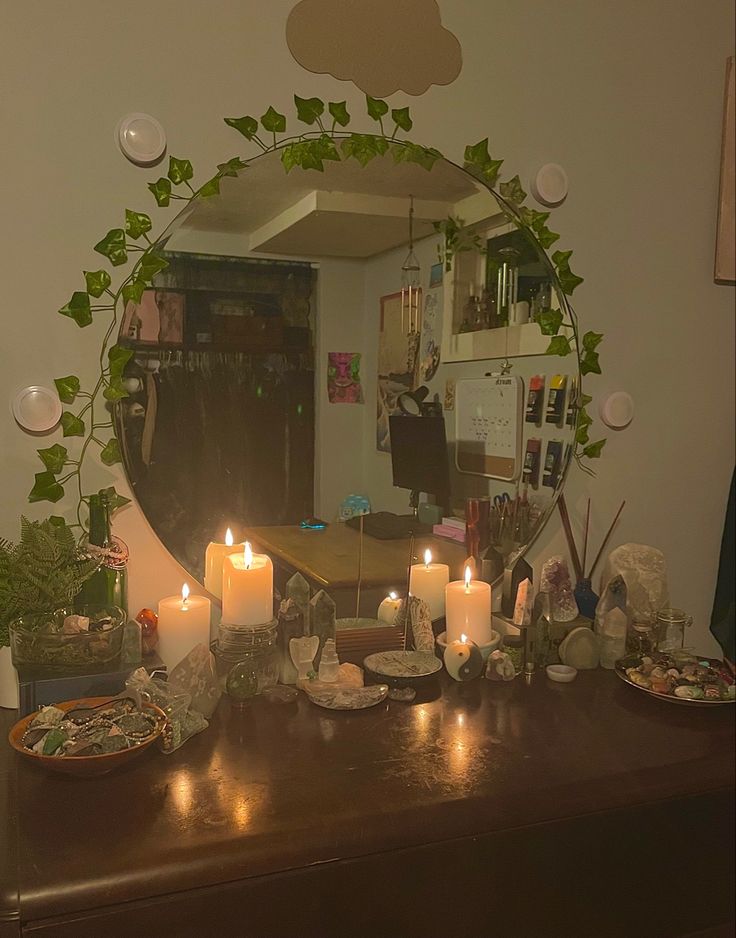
[(463, 659), (427, 581), (213, 560), (183, 623), (388, 608), (468, 610), (247, 588)]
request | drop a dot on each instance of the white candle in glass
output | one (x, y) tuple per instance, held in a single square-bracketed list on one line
[(468, 613), (183, 623), (213, 560), (427, 581), (388, 608), (247, 588)]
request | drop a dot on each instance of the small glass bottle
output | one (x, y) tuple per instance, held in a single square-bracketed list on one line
[(108, 585)]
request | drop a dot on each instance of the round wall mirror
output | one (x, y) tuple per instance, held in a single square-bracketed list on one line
[(325, 342)]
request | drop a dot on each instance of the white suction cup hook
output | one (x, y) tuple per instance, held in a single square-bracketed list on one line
[(617, 410), (550, 185), (141, 139), (37, 409)]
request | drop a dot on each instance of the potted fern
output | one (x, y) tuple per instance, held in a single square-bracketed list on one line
[(42, 572)]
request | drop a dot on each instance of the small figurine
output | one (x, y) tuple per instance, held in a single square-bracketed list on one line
[(500, 667), (303, 651), (148, 621)]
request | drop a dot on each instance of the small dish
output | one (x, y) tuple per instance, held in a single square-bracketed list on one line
[(485, 650), (401, 668), (346, 696), (37, 409), (561, 673), (83, 766)]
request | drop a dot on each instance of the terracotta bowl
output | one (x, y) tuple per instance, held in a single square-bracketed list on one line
[(83, 766)]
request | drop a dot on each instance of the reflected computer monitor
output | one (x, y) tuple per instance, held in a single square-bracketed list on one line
[(419, 454)]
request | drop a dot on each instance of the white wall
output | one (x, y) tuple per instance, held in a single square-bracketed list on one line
[(626, 95)]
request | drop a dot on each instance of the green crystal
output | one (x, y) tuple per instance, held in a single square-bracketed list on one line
[(322, 620), (297, 590)]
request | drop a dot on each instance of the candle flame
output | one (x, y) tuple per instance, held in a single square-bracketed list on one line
[(427, 557), (464, 639), (248, 555), (467, 577), (229, 538), (393, 596), (184, 594)]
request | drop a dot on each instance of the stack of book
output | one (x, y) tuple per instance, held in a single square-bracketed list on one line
[(453, 528)]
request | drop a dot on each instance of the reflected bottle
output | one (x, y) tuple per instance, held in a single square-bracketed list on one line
[(108, 585)]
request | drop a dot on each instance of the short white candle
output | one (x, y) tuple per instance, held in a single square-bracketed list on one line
[(468, 610), (213, 560), (247, 588), (427, 581), (388, 608), (183, 623)]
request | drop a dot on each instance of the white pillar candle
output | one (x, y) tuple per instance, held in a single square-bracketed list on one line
[(213, 560), (468, 610), (183, 623), (427, 581), (388, 608), (247, 588)]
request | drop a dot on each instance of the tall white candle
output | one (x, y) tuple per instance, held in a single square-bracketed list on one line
[(427, 581), (468, 613), (213, 560), (183, 623), (247, 588)]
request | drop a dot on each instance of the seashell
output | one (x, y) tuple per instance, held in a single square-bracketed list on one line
[(712, 692), (673, 672), (657, 674), (646, 660), (731, 692), (640, 680), (689, 693)]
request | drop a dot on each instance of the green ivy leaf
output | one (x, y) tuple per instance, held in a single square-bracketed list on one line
[(97, 281), (274, 122), (110, 453), (479, 162), (247, 126), (568, 280), (78, 309), (581, 435), (308, 109), (232, 167), (136, 224), (339, 112), (179, 170), (546, 237), (210, 188), (512, 191), (591, 340), (309, 154), (362, 147), (400, 116), (71, 424), (549, 321), (114, 391), (405, 152), (589, 364), (376, 107), (585, 399), (53, 457), (584, 418), (112, 247), (67, 388), (113, 498), (134, 291), (593, 450), (477, 154), (118, 357), (161, 190), (150, 264), (45, 488), (559, 345)]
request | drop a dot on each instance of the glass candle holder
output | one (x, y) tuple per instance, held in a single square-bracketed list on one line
[(255, 645), (671, 625)]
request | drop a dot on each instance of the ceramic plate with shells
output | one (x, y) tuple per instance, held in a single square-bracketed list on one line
[(402, 667), (679, 677)]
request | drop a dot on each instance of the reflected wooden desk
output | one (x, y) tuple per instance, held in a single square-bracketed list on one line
[(329, 558)]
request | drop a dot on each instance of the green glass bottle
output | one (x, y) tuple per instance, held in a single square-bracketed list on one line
[(108, 586)]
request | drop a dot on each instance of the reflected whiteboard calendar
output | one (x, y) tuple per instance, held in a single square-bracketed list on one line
[(488, 426)]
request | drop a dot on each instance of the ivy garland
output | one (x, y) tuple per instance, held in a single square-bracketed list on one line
[(328, 140)]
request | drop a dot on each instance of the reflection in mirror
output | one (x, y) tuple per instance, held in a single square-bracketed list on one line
[(278, 363)]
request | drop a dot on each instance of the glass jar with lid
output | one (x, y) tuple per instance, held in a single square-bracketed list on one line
[(671, 625), (256, 645)]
